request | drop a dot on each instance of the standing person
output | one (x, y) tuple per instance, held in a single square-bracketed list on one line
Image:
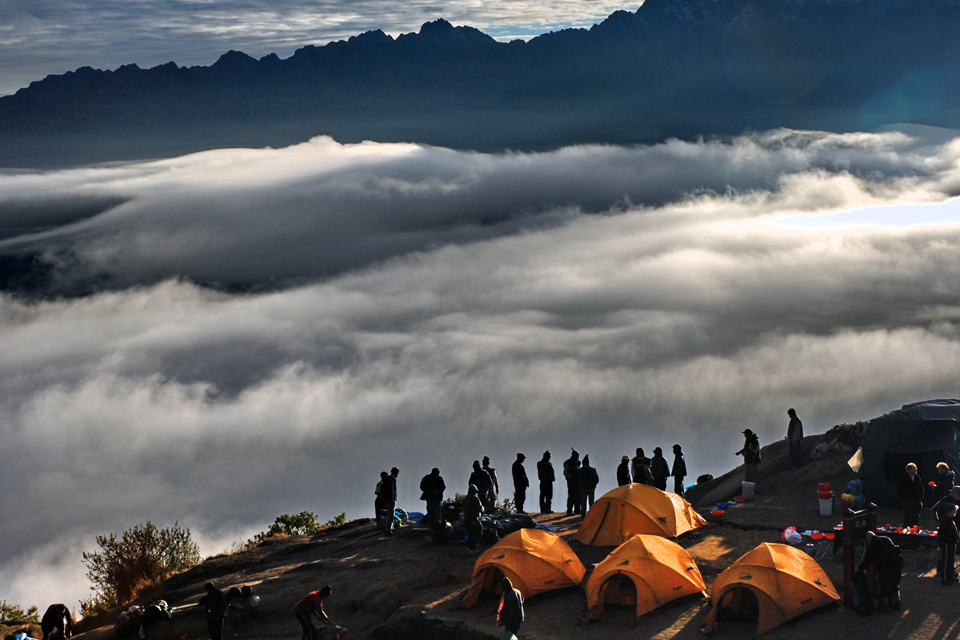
[(623, 471), (659, 469), (494, 482), (481, 480), (944, 481), (547, 477), (472, 508), (636, 467), (57, 617), (910, 490), (940, 511), (751, 455), (378, 503), (679, 471), (310, 605), (388, 492), (216, 604), (433, 486), (795, 438), (510, 614), (882, 552), (589, 478), (947, 538), (520, 482), (571, 473)]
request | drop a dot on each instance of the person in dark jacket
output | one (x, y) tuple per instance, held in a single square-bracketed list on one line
[(520, 482), (510, 615), (947, 539), (216, 604), (432, 487), (795, 438), (659, 469), (623, 471), (472, 508), (887, 560), (388, 493), (944, 481), (56, 618), (547, 477), (378, 503), (679, 470), (589, 478), (940, 511), (481, 480), (910, 491), (636, 467), (751, 455), (494, 482), (571, 473)]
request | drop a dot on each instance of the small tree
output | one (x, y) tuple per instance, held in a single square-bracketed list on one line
[(142, 556), (13, 614)]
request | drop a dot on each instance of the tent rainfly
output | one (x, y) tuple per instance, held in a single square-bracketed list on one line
[(645, 571), (637, 508), (772, 584), (924, 433), (535, 561)]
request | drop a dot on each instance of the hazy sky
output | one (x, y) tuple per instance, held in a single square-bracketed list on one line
[(40, 37), (419, 306)]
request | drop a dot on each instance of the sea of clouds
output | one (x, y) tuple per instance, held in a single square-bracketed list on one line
[(239, 334)]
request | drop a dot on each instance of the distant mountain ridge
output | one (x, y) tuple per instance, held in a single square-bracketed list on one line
[(672, 68)]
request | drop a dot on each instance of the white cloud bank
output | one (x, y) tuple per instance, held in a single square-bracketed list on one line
[(425, 307)]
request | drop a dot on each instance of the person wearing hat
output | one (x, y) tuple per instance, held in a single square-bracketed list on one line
[(547, 477), (494, 491), (472, 508), (887, 560), (751, 455), (571, 473), (623, 471), (659, 469), (520, 482), (510, 612)]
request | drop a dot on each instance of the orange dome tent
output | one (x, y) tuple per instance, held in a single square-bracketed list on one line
[(535, 561), (659, 570), (637, 508), (773, 583)]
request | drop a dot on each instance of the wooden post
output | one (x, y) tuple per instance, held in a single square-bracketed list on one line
[(855, 527)]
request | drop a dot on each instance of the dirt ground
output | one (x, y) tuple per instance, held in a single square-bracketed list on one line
[(403, 586)]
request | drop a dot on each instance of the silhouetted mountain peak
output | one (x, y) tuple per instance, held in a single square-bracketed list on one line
[(234, 61), (443, 33), (369, 38)]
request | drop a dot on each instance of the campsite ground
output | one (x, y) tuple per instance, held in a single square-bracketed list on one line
[(404, 587)]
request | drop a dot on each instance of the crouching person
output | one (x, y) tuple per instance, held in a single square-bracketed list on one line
[(887, 561), (312, 604), (56, 621)]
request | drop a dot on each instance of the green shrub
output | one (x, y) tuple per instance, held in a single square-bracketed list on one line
[(338, 520)]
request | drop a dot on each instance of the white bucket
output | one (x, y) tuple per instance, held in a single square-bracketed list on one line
[(748, 488), (826, 506)]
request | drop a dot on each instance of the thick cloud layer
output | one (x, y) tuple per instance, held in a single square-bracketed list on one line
[(40, 37), (424, 307)]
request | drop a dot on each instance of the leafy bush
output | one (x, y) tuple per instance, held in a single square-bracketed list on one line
[(13, 614), (338, 520), (141, 557), (298, 524)]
